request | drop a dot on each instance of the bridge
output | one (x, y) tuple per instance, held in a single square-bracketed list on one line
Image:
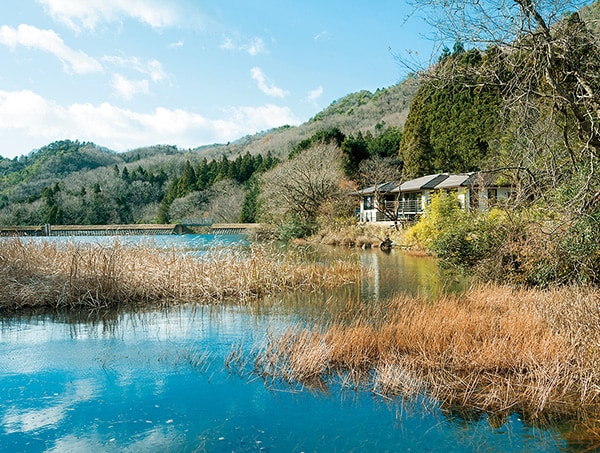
[(234, 228), (125, 230), (89, 230)]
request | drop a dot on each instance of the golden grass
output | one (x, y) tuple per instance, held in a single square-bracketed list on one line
[(47, 274), (492, 349), (356, 235)]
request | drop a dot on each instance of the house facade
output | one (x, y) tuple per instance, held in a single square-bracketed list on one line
[(394, 201)]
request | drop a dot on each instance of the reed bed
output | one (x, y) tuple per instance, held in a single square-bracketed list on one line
[(494, 349), (57, 275)]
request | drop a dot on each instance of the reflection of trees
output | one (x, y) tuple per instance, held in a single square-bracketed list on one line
[(399, 272)]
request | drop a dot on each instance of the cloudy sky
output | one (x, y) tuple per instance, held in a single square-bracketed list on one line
[(130, 73)]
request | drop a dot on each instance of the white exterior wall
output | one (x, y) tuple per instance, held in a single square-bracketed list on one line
[(464, 197), (425, 199), (368, 215)]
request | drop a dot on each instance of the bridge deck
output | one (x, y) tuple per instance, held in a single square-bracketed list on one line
[(233, 228), (120, 230), (88, 230)]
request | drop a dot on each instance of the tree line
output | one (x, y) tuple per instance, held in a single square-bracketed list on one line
[(94, 186)]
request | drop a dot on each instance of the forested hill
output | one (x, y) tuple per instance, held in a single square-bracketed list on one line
[(81, 182)]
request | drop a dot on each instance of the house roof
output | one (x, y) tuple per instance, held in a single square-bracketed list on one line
[(432, 182), (422, 183), (455, 181), (385, 187)]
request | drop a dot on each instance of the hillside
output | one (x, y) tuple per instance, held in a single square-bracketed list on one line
[(361, 111), (77, 178)]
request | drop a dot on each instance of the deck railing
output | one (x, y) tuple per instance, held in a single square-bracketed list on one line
[(404, 207), (400, 209)]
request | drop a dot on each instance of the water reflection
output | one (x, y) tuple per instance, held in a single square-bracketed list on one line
[(182, 241), (156, 380), (384, 276), (398, 272)]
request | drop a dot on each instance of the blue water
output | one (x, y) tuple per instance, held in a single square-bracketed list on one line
[(157, 381), (189, 241)]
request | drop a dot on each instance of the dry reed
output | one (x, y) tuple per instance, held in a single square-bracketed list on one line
[(493, 349), (47, 274)]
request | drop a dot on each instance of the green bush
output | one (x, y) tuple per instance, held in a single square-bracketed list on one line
[(442, 212), (533, 247), (470, 240), (459, 238)]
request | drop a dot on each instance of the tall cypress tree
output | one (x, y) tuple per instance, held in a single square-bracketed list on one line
[(187, 182)]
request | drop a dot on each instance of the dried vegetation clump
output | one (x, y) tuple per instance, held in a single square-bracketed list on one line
[(356, 235), (493, 349), (46, 274)]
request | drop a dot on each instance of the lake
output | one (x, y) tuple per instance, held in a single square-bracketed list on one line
[(156, 380)]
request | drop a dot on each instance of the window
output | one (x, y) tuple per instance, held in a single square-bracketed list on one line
[(368, 202)]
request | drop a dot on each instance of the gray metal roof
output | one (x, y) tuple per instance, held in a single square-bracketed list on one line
[(431, 182), (422, 183), (454, 181), (385, 187)]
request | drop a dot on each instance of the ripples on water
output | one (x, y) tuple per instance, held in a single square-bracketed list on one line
[(156, 381)]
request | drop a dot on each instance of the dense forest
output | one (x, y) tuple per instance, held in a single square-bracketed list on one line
[(523, 107)]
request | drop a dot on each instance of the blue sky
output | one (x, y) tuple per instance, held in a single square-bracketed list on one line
[(131, 73)]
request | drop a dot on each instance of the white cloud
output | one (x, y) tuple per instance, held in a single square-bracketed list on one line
[(176, 45), (48, 41), (254, 46), (270, 90), (89, 13), (256, 119), (315, 94), (228, 44), (129, 88), (21, 420), (324, 35), (151, 68), (33, 419), (29, 121)]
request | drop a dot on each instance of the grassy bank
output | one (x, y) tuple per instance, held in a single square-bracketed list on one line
[(494, 349), (46, 274), (363, 235)]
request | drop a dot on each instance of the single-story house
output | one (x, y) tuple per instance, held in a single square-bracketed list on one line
[(395, 201)]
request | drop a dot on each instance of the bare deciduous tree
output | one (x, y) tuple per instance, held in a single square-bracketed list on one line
[(302, 185), (226, 197), (376, 172)]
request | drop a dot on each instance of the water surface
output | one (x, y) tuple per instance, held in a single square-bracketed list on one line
[(156, 380)]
